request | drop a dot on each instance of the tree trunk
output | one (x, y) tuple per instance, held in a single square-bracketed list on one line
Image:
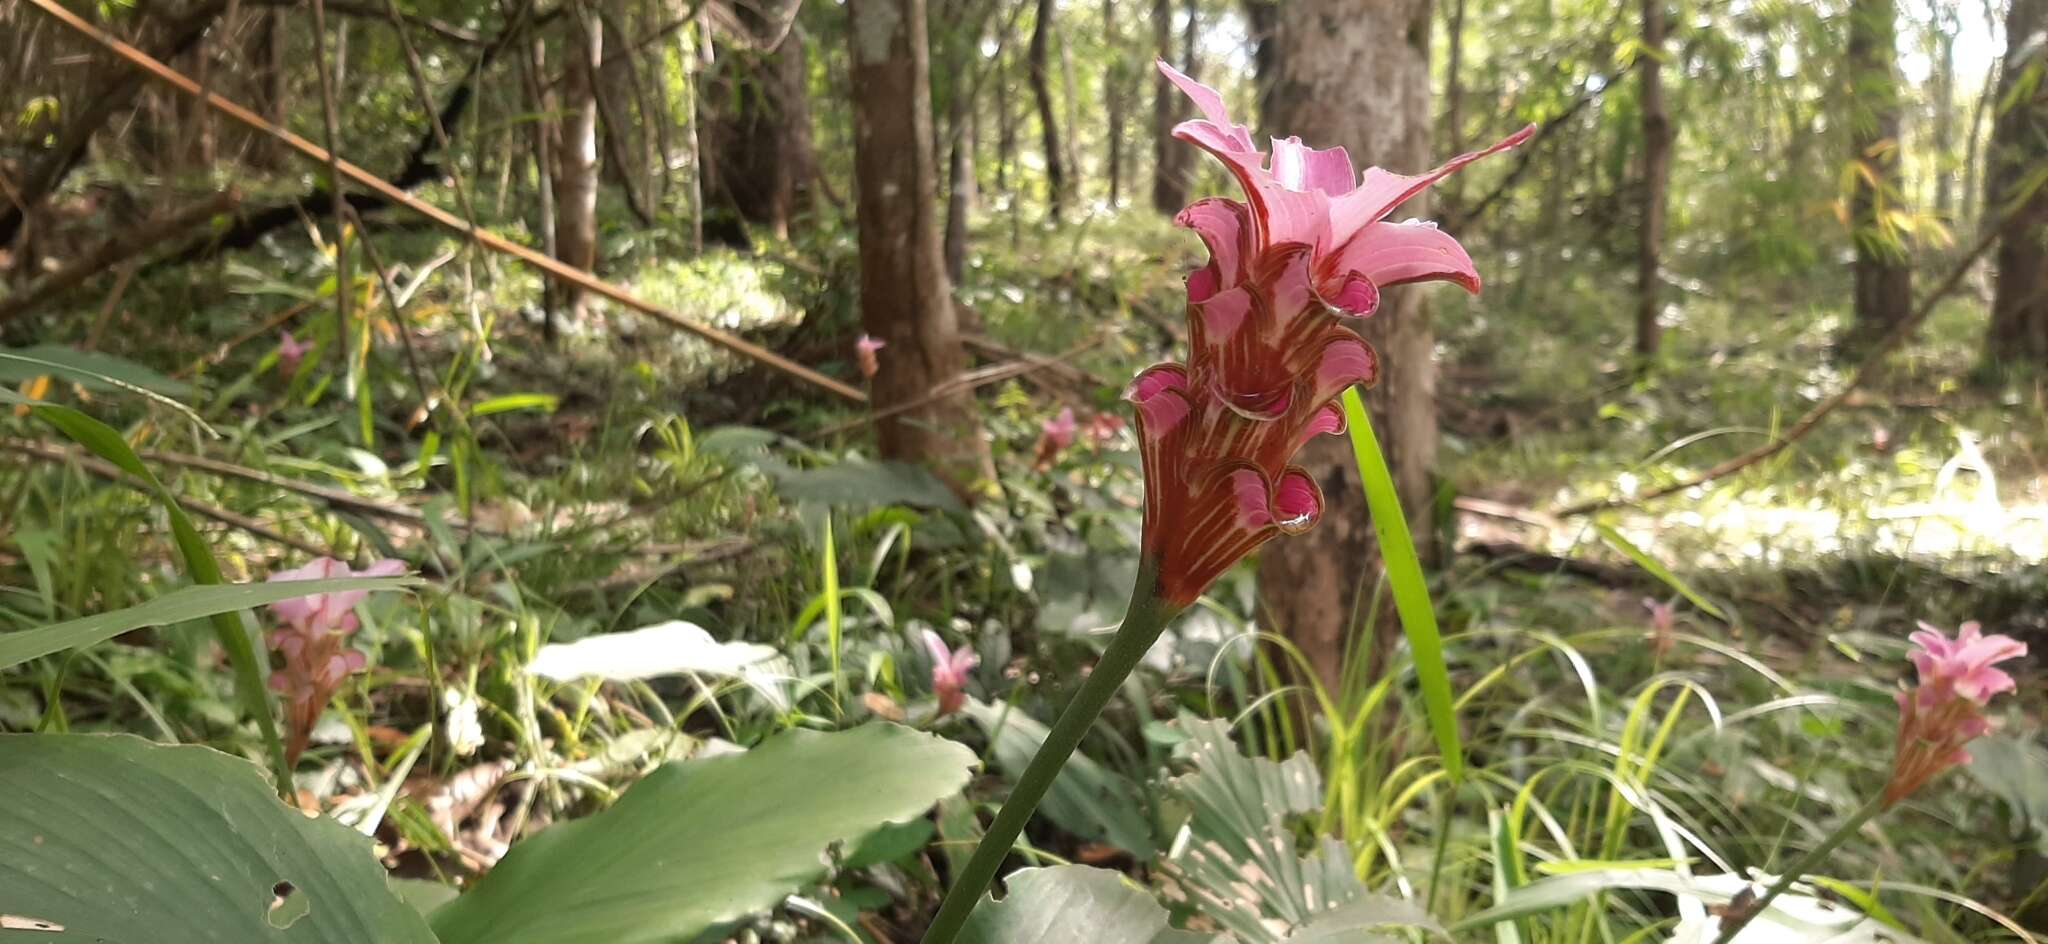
[(116, 88), (1941, 86), (1454, 90), (1113, 80), (1656, 183), (1357, 75), (1006, 127), (2019, 308), (904, 297), (960, 180), (1048, 123), (757, 120), (576, 157), (1169, 161), (1884, 280)]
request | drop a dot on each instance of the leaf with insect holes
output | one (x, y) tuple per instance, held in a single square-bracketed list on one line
[(114, 838)]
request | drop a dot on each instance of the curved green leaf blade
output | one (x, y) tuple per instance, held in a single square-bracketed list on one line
[(114, 838), (177, 606), (706, 841), (1411, 589), (1656, 568), (102, 440), (1070, 903)]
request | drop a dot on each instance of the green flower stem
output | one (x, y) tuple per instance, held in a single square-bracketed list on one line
[(1807, 863), (1143, 622)]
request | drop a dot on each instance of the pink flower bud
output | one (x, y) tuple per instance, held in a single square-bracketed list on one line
[(864, 351), (949, 672)]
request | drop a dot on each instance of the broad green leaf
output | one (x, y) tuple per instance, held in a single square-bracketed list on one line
[(116, 839), (1656, 568), (1241, 861), (1411, 589), (1368, 920), (2016, 771), (185, 603), (1071, 903), (701, 842), (1088, 800)]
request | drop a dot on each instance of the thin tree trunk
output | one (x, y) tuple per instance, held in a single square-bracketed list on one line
[(960, 179), (1942, 88), (1656, 182), (1454, 88), (1357, 75), (1048, 122), (1006, 128), (576, 166), (904, 296), (1972, 164), (2015, 192), (533, 65), (1884, 280), (1169, 180), (1113, 80)]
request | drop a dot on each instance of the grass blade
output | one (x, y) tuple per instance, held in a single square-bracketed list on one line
[(103, 441), (1656, 568), (1411, 590), (184, 603)]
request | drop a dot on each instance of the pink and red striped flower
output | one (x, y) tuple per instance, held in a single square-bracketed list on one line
[(1945, 711), (1309, 248)]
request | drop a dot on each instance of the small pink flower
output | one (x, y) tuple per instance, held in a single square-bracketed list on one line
[(949, 672), (1056, 434), (864, 349), (313, 643), (1663, 624), (1103, 429), (290, 351), (1945, 710)]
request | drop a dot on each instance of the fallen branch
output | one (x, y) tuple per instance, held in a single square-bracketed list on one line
[(117, 248), (1872, 362), (466, 228), (971, 380), (1521, 557), (112, 473), (319, 203)]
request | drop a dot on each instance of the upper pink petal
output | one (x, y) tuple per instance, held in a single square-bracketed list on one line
[(1380, 191), (1299, 167), (1226, 135), (1397, 253)]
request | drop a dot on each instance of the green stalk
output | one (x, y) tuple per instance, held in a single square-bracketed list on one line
[(1733, 925), (1411, 589), (1146, 617)]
